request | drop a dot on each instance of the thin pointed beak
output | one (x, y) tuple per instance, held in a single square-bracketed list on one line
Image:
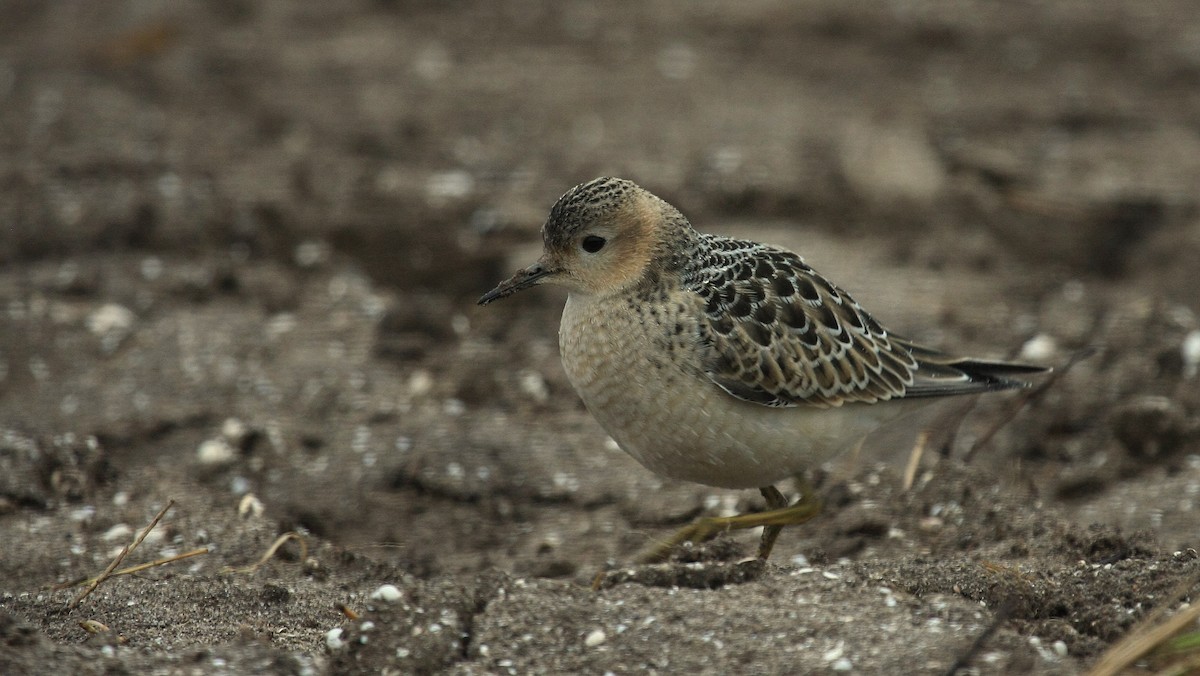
[(530, 276)]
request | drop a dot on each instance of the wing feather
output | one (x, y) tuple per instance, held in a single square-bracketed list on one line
[(776, 333)]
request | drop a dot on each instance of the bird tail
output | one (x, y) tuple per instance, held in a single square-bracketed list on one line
[(939, 374)]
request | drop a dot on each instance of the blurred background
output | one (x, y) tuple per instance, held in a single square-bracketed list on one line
[(404, 131), (241, 241)]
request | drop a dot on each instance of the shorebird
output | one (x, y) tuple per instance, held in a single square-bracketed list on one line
[(721, 361)]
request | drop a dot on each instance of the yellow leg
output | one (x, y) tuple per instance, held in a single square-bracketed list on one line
[(778, 515), (775, 500)]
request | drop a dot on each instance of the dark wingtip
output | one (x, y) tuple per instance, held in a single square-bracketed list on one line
[(980, 376), (1001, 367), (993, 375)]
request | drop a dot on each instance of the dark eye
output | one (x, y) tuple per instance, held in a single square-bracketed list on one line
[(592, 243)]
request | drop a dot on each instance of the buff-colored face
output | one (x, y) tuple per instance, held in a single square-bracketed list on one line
[(596, 241)]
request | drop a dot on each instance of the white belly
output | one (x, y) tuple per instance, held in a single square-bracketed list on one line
[(678, 423)]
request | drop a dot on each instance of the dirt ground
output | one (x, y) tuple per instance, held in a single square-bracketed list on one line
[(241, 245)]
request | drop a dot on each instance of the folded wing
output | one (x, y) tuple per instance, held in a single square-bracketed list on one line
[(776, 333)]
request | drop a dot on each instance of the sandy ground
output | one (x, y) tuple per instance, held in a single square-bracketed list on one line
[(241, 246)]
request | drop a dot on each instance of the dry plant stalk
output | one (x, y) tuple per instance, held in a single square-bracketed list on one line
[(1150, 634), (133, 569), (120, 557), (914, 460), (279, 542), (1024, 399)]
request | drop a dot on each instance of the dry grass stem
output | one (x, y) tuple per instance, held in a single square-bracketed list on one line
[(279, 542), (134, 569), (1150, 634), (96, 582)]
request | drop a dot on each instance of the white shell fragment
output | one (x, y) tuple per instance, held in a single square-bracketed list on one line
[(388, 593)]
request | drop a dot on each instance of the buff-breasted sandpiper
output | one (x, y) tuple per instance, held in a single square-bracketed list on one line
[(721, 361)]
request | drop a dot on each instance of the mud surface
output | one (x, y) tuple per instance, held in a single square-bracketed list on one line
[(241, 246)]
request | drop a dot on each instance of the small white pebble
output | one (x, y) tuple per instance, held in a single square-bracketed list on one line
[(120, 499), (239, 485), (842, 664), (311, 253), (420, 383), (831, 576), (551, 540), (110, 318), (461, 324), (333, 639), (68, 405), (595, 638), (388, 593), (1191, 354), (533, 385), (250, 507), (234, 430), (930, 524), (118, 532), (565, 481), (215, 452), (152, 268), (280, 324), (835, 653), (1060, 647), (449, 185), (366, 626), (1041, 347)]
